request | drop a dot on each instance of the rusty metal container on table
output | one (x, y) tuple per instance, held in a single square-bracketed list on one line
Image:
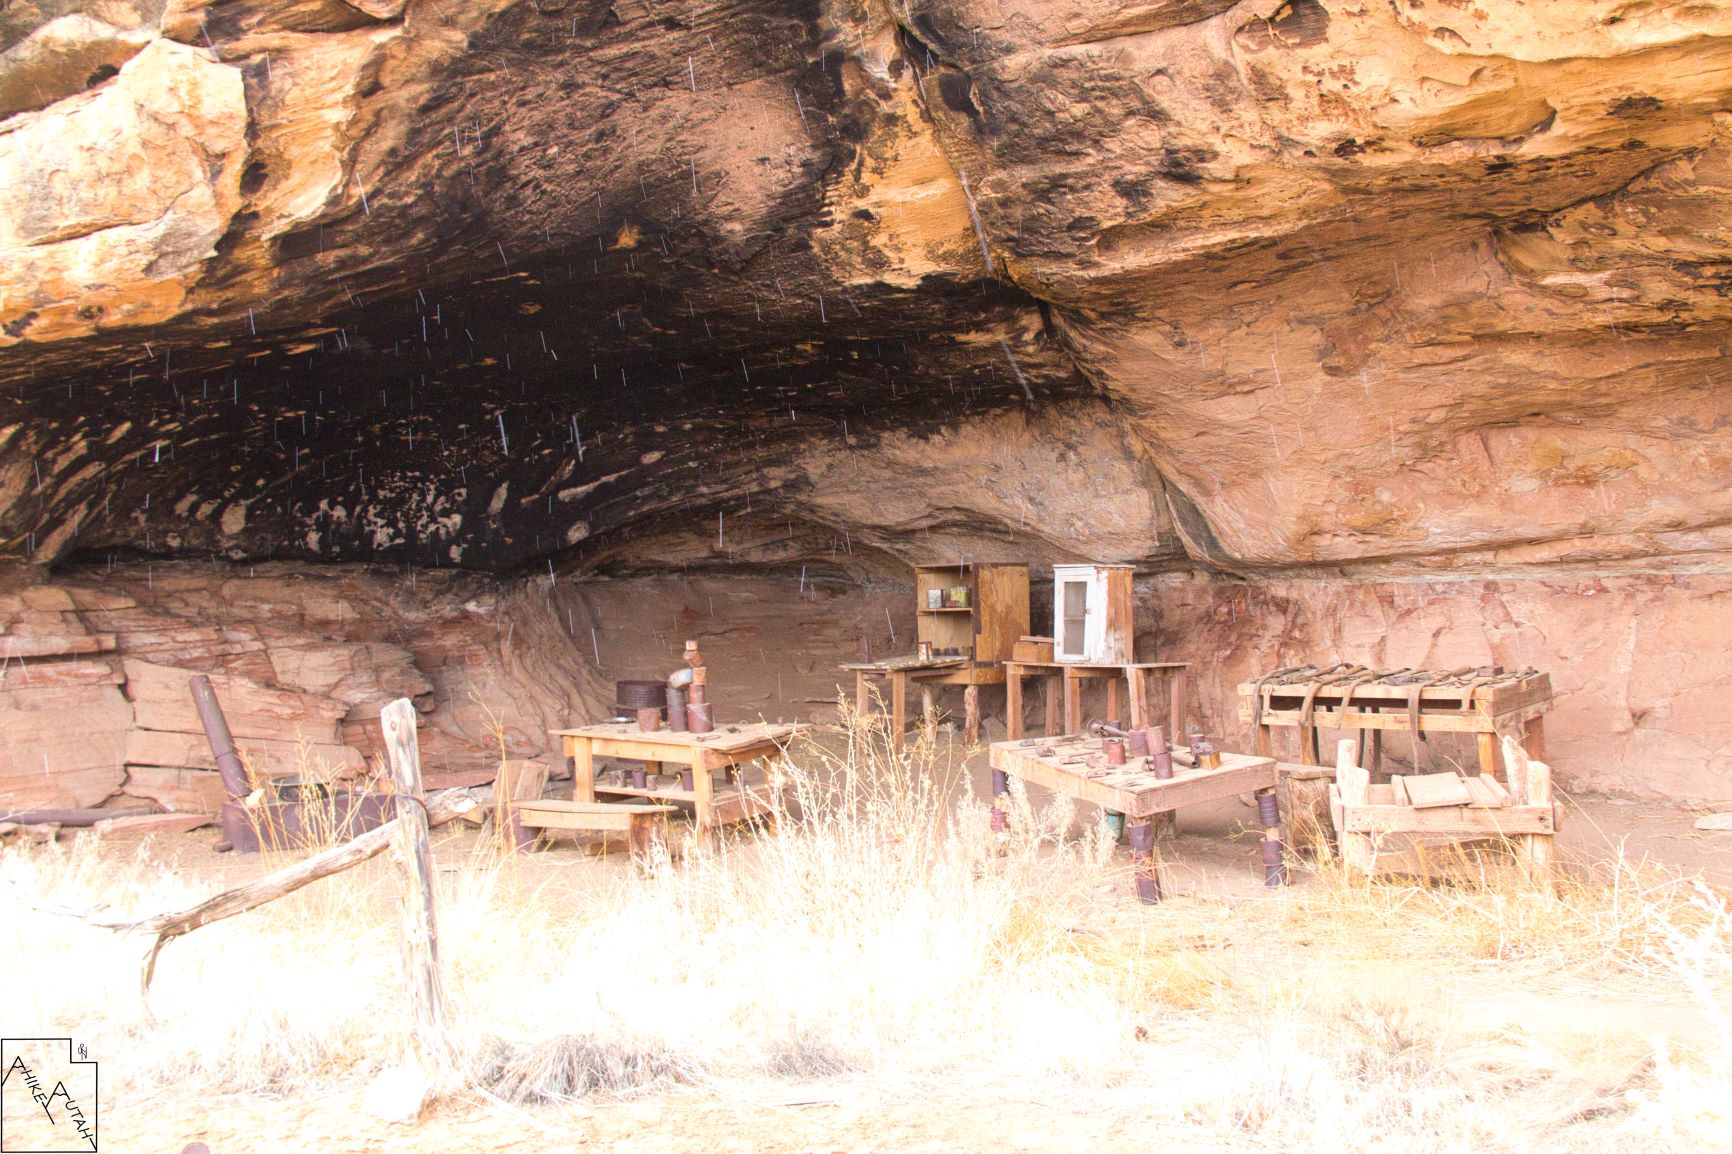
[(649, 719)]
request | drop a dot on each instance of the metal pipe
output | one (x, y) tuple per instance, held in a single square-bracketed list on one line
[(222, 742)]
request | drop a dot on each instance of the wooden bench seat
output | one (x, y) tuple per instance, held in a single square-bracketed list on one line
[(643, 825)]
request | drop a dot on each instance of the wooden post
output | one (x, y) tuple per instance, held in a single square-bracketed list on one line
[(709, 834), (898, 709), (1352, 787), (1533, 850), (1113, 713), (928, 706), (1012, 703), (971, 714), (1072, 701), (582, 760), (415, 854), (862, 697), (1139, 695), (1176, 688), (1050, 697)]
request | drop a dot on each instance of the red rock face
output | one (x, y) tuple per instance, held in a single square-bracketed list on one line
[(1639, 701), (1340, 299)]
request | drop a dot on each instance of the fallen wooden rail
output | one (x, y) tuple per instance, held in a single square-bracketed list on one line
[(442, 807)]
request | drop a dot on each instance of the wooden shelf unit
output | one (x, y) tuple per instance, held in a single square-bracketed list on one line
[(985, 631)]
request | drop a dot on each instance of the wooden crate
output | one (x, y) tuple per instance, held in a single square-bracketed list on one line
[(1032, 649)]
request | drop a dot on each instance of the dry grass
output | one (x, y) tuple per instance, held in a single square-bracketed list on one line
[(883, 934)]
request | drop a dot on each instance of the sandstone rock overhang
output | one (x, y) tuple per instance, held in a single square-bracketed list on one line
[(1263, 286)]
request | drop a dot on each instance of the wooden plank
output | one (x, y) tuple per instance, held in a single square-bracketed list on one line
[(1119, 638), (596, 818), (725, 738), (1398, 787), (1507, 698), (415, 858), (1427, 790), (1496, 788), (1354, 781), (1013, 701), (1536, 777), (1481, 793), (1363, 719), (1464, 820), (1001, 610)]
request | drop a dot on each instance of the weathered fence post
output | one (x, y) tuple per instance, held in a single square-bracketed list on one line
[(420, 929)]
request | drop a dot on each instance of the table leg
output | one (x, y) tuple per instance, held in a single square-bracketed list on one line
[(582, 768), (1534, 738), (1176, 688), (971, 714), (704, 805), (928, 706), (1072, 702), (1142, 836), (1138, 687), (1054, 686), (1012, 703), (862, 698), (1487, 754), (898, 709)]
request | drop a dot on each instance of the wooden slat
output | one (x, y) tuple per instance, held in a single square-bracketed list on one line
[(594, 817), (1464, 820), (1428, 722), (1507, 698), (1428, 790)]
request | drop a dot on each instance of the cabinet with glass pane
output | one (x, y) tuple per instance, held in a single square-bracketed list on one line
[(1092, 614)]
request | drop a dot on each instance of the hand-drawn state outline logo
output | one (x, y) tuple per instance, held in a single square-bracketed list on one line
[(48, 1097)]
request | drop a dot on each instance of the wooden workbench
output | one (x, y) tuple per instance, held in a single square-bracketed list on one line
[(727, 748), (1075, 765), (1489, 706), (1067, 678), (899, 671)]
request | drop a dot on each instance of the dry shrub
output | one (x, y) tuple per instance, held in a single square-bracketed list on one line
[(883, 932)]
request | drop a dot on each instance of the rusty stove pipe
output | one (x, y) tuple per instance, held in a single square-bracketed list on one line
[(222, 742)]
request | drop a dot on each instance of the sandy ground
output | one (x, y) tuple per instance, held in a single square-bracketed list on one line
[(1212, 858)]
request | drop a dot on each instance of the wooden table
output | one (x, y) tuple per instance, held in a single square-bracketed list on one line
[(1075, 765), (1069, 677), (899, 671), (726, 748), (1489, 706)]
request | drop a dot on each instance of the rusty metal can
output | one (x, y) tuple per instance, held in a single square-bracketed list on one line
[(649, 720), (1115, 750)]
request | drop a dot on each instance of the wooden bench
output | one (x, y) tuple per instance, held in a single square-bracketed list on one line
[(1522, 814), (644, 826)]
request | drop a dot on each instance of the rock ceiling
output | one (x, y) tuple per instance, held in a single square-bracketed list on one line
[(1397, 285)]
